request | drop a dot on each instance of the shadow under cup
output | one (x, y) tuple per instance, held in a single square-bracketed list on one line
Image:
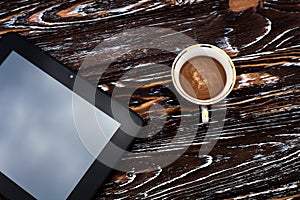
[(203, 74)]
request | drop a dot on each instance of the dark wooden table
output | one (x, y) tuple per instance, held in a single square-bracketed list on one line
[(257, 155)]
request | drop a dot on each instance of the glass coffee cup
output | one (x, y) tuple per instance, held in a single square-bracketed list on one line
[(203, 74)]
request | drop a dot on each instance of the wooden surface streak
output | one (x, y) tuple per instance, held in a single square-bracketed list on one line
[(258, 154)]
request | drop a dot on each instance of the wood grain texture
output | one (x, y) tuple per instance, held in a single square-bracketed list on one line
[(258, 153)]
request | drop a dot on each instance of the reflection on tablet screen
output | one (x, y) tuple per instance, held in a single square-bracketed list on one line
[(40, 149)]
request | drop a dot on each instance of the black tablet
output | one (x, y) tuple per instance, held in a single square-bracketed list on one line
[(42, 155)]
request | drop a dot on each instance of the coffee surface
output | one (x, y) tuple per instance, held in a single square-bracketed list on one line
[(202, 77)]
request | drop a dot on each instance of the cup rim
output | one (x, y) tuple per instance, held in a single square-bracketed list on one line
[(226, 63)]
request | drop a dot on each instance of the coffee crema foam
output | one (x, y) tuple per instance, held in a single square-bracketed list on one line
[(202, 77)]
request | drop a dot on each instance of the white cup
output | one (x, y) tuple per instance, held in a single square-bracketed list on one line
[(207, 51)]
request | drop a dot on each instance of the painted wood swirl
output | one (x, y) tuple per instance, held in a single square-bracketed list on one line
[(258, 154)]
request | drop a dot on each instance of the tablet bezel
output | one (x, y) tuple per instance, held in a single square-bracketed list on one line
[(98, 172)]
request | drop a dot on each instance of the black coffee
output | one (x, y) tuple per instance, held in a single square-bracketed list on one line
[(202, 77)]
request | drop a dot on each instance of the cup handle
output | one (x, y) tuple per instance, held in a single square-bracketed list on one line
[(205, 114)]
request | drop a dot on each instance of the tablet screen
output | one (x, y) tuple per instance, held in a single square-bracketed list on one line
[(40, 149)]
